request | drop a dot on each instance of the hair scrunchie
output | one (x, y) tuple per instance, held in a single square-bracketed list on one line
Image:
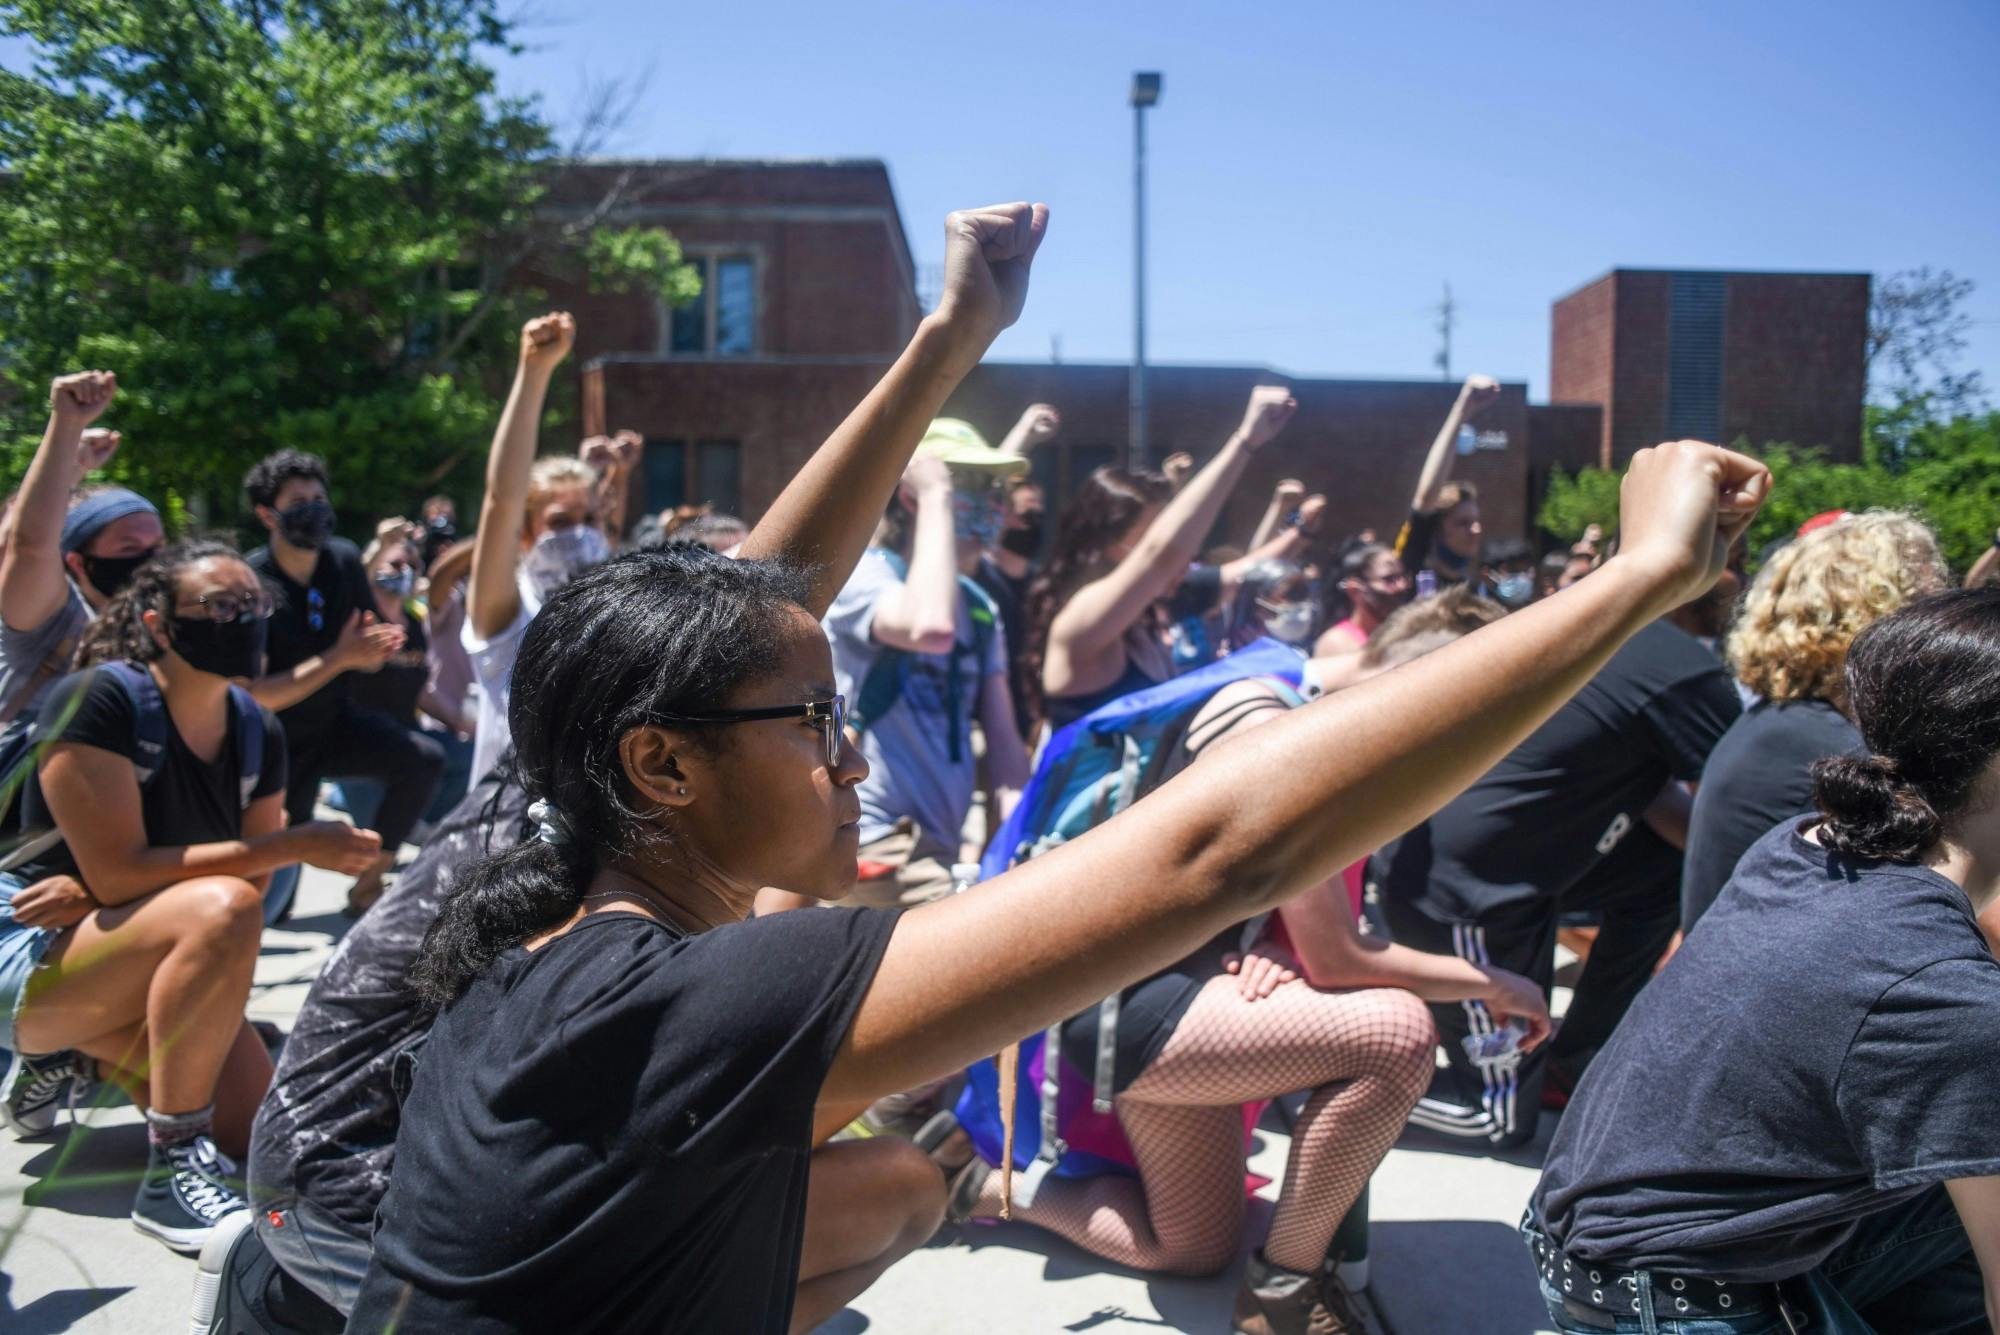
[(551, 828)]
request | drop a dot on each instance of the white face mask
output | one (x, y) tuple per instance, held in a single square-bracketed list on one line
[(1290, 622), (560, 555)]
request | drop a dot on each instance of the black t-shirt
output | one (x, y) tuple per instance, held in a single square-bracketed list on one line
[(1009, 596), (189, 801), (1760, 775), (613, 1132), (307, 619), (326, 1132), (396, 686), (1820, 1048), (1540, 819)]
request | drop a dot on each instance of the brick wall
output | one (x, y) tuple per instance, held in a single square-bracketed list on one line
[(1581, 339), (1795, 353)]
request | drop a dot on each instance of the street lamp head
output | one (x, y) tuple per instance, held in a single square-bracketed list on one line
[(1145, 88)]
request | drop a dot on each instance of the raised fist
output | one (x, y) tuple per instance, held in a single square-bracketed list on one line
[(1270, 407), (80, 399), (1681, 507), (1311, 511), (1043, 422), (1287, 494), (986, 259), (1479, 393), (599, 452), (627, 445), (1178, 468), (95, 448), (546, 340), (926, 480)]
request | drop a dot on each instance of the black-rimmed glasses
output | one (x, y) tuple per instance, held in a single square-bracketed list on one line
[(829, 715), (226, 607)]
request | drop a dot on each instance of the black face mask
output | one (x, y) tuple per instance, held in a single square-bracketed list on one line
[(110, 574), (226, 648), (306, 525), (1024, 541)]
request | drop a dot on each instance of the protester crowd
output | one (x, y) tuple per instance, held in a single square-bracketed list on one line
[(911, 773)]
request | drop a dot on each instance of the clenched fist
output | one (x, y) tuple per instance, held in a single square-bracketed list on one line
[(546, 340), (80, 399)]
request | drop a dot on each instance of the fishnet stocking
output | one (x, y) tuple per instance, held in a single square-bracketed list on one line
[(1366, 1056)]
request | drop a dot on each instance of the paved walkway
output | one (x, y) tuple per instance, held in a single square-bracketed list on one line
[(1444, 1256)]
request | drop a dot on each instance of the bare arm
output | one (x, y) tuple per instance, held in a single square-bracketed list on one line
[(921, 613), (33, 584), (94, 796), (1473, 396), (1978, 1202), (365, 644), (1985, 567), (1285, 498), (1007, 766), (1671, 813), (1287, 544), (494, 600), (451, 566), (966, 976), (1038, 425), (1097, 616), (827, 513)]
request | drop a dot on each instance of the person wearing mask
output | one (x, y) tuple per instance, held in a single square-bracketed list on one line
[(1507, 572), (63, 555), (1097, 618), (324, 627), (1443, 531), (158, 806), (1275, 599), (1792, 1129), (1375, 584), (920, 652), (539, 527), (325, 1140), (1489, 875), (660, 697), (1008, 566), (1789, 648)]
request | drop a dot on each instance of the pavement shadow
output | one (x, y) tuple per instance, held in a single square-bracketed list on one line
[(1490, 1290), (52, 1312), (330, 925), (88, 1170)]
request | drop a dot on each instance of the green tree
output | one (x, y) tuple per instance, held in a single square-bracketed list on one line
[(282, 222)]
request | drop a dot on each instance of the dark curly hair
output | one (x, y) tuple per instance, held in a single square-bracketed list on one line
[(269, 474), (648, 635), (119, 633), (1104, 508), (1924, 686)]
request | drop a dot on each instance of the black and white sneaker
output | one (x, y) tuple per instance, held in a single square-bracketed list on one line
[(188, 1189), (38, 1088)]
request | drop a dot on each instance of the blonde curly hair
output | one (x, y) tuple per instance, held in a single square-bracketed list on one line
[(1812, 598)]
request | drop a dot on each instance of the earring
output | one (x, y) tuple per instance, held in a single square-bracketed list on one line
[(682, 791)]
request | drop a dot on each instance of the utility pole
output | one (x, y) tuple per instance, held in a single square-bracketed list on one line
[(1145, 92), (1447, 312)]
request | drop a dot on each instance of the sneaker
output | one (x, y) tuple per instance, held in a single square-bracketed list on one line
[(211, 1277), (1275, 1301), (188, 1189), (39, 1087)]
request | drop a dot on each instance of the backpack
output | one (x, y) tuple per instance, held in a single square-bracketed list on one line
[(1089, 772), (883, 685), (22, 747)]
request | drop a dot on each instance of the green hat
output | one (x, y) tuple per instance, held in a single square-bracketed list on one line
[(960, 446)]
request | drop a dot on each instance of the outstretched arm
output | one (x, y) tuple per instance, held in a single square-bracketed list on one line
[(1285, 498), (32, 583), (493, 600), (826, 514), (921, 614), (1473, 397), (1037, 426), (964, 977), (1986, 567), (1099, 613)]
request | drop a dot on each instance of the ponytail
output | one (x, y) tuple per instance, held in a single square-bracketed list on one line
[(496, 904), (1869, 814)]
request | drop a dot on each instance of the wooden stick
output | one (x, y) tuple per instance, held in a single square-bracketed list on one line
[(1010, 1081)]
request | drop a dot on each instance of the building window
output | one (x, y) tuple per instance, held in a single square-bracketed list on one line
[(722, 321), (710, 473)]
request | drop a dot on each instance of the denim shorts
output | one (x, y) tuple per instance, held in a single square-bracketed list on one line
[(21, 951)]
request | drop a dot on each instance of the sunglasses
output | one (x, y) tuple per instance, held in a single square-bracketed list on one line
[(830, 716)]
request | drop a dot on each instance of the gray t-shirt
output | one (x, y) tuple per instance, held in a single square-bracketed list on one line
[(909, 746), (31, 661)]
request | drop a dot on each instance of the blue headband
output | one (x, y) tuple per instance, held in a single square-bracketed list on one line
[(89, 516)]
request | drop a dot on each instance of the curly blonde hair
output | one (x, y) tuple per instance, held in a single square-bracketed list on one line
[(1815, 595)]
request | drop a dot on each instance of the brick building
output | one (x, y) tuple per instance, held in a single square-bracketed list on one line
[(1672, 354), (810, 291)]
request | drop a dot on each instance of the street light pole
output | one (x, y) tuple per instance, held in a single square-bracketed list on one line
[(1145, 92)]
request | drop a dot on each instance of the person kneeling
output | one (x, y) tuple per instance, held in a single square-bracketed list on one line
[(160, 793)]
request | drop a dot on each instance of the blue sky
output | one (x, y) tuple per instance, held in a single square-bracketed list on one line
[(1319, 171)]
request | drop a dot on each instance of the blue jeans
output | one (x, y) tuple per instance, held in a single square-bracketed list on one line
[(1906, 1268)]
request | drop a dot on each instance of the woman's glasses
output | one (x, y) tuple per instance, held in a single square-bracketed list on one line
[(226, 607), (830, 716)]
